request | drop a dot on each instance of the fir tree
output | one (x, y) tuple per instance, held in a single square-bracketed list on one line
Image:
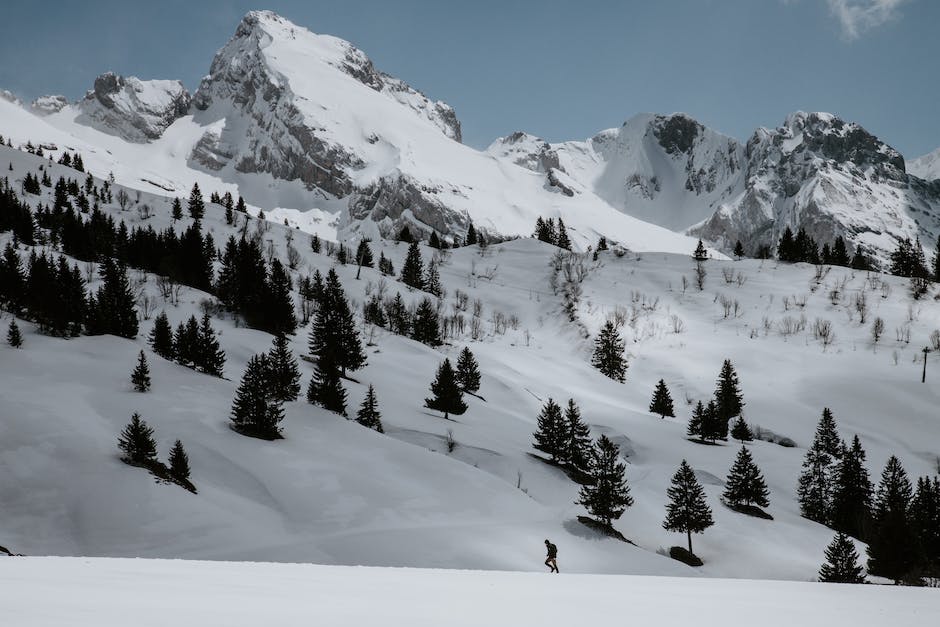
[(368, 414), (334, 335), (577, 438), (850, 504), (936, 262), (840, 255), (827, 436), (891, 549), (412, 272), (608, 353), (814, 490), (161, 337), (728, 399), (738, 249), (141, 375), (279, 316), (364, 254), (197, 207), (373, 312), (687, 510), (315, 244), (925, 523), (607, 496), (186, 344), (254, 411), (662, 401), (283, 374), (552, 432), (745, 485), (425, 327), (209, 356), (326, 387), (432, 281), (434, 241), (562, 240), (342, 256), (740, 431), (404, 235), (113, 310), (700, 254), (785, 248), (399, 320), (385, 265), (841, 562), (448, 397), (179, 463), (696, 427), (471, 238), (468, 372), (14, 338), (137, 443)]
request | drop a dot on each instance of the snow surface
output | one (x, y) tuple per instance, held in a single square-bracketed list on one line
[(926, 167), (333, 492), (108, 592)]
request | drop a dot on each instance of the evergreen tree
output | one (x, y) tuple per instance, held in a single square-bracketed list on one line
[(209, 356), (662, 401), (608, 353), (364, 254), (468, 372), (279, 304), (925, 523), (471, 238), (827, 436), (315, 244), (141, 375), (197, 208), (412, 272), (841, 562), (177, 211), (687, 510), (786, 246), (254, 411), (179, 462), (840, 255), (385, 265), (425, 327), (552, 433), (326, 387), (399, 320), (161, 337), (432, 281), (745, 484), (341, 255), (740, 431), (738, 249), (577, 438), (334, 335), (448, 397), (814, 491), (186, 344), (696, 427), (891, 549), (545, 230), (608, 495), (936, 262), (434, 241), (404, 235), (137, 443), (700, 254), (14, 338), (563, 241), (850, 505), (728, 399), (283, 373), (113, 310), (368, 414), (373, 312)]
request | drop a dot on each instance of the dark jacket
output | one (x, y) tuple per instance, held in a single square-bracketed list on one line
[(552, 550)]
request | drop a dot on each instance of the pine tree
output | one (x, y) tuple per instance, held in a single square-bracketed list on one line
[(728, 399), (179, 462), (279, 305), (552, 433), (608, 495), (850, 504), (254, 411), (368, 414), (113, 310), (471, 238), (814, 490), (448, 397), (738, 249), (785, 248), (385, 265), (404, 235), (745, 484), (608, 353), (936, 262), (925, 523), (840, 255), (891, 549), (432, 281), (209, 356), (315, 244), (161, 337), (412, 272), (177, 210), (283, 374), (662, 401), (827, 436), (141, 375), (434, 241), (197, 207), (740, 431), (563, 241), (334, 335), (687, 510), (577, 438), (399, 320), (700, 254), (14, 338), (841, 562), (425, 327), (137, 443), (364, 254), (326, 387), (696, 427), (468, 372)]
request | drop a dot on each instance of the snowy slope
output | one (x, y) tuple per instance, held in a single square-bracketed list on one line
[(236, 594), (335, 493), (926, 167)]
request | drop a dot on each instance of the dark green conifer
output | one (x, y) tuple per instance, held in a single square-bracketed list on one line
[(687, 510), (447, 395), (608, 353), (161, 337), (14, 338), (745, 485), (468, 372), (608, 495), (662, 401), (368, 414), (137, 443), (841, 562), (412, 272), (283, 372), (552, 434), (141, 375), (179, 462)]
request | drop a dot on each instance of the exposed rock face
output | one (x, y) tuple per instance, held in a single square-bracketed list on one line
[(139, 111), (926, 167), (47, 105), (831, 178), (527, 151)]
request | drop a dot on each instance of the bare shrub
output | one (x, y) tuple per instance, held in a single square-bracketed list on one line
[(822, 331), (860, 302), (678, 326), (877, 329), (935, 339), (700, 274)]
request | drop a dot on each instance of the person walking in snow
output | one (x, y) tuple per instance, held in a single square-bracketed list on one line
[(550, 559)]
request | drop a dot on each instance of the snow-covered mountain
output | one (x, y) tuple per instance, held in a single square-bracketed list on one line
[(926, 167)]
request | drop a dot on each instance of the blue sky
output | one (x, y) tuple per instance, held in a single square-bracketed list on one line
[(561, 70)]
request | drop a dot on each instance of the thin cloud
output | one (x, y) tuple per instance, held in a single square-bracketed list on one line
[(858, 16)]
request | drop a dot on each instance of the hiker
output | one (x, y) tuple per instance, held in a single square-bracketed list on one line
[(550, 559)]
